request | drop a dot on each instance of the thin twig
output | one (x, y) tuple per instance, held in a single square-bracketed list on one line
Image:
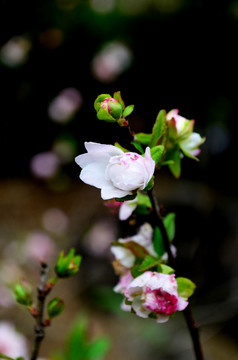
[(193, 328), (40, 327)]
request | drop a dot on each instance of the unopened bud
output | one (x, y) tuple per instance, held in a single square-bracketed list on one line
[(67, 265), (23, 293), (55, 307)]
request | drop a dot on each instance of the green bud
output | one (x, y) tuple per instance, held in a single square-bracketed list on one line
[(55, 307), (108, 108), (23, 293), (67, 265)]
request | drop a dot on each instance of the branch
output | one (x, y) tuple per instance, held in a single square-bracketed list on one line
[(193, 328), (40, 327)]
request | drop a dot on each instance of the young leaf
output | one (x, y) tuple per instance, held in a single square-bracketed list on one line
[(143, 138), (157, 153), (159, 129), (185, 287), (158, 242), (148, 263), (98, 348), (175, 168), (138, 147), (2, 356), (169, 223), (128, 110), (117, 96), (165, 269), (120, 147)]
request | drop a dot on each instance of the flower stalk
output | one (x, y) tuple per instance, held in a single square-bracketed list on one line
[(192, 326)]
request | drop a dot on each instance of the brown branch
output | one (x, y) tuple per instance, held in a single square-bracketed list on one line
[(40, 327), (193, 328)]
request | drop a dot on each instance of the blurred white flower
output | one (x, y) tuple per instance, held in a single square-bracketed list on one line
[(12, 343), (16, 51), (111, 61), (64, 106)]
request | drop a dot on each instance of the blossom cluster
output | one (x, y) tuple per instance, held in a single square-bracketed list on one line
[(149, 285)]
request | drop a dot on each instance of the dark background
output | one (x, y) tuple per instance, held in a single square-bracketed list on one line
[(184, 55)]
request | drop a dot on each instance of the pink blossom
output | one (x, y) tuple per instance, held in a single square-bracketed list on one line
[(12, 343), (116, 173), (181, 132), (155, 293)]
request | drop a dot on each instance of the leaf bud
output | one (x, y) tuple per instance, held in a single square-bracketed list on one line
[(67, 265), (23, 293), (55, 307)]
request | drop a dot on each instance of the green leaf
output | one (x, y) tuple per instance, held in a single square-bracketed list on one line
[(138, 147), (175, 168), (185, 287), (2, 356), (158, 242), (135, 270), (128, 110), (137, 249), (157, 153), (120, 147), (148, 263), (143, 199), (159, 130), (169, 223), (98, 348), (76, 343), (117, 96), (165, 269), (143, 138)]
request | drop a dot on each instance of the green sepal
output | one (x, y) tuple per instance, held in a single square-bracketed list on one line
[(99, 99), (143, 138), (159, 131), (55, 307), (157, 153), (127, 197), (150, 184), (165, 269), (185, 287), (169, 223), (104, 115), (115, 109), (128, 110), (138, 147), (117, 96), (158, 242), (175, 168), (148, 263), (67, 265)]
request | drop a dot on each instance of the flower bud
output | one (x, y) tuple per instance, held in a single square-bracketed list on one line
[(55, 307), (108, 108), (23, 293), (67, 265)]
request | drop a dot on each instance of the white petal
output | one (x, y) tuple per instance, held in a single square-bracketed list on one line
[(94, 175), (110, 150), (182, 303), (162, 318), (109, 192), (126, 209)]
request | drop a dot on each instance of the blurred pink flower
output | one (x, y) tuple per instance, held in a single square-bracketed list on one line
[(12, 343), (64, 106), (116, 173), (39, 246), (45, 165)]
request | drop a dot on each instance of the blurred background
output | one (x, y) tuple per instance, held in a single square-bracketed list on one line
[(56, 57)]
